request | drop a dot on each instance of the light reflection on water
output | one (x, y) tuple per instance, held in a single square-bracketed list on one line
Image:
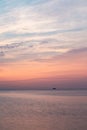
[(43, 110)]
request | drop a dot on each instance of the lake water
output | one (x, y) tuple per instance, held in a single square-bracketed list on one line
[(43, 110)]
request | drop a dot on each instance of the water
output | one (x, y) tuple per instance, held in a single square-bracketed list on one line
[(43, 110)]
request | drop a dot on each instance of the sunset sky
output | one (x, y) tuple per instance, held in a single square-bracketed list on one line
[(43, 44)]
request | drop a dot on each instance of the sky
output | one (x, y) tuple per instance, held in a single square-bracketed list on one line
[(43, 44)]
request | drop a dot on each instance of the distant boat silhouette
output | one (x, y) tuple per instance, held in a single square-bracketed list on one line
[(54, 88)]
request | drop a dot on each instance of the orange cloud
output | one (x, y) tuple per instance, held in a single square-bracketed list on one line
[(72, 64)]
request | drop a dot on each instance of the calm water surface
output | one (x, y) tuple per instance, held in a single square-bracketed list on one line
[(43, 110)]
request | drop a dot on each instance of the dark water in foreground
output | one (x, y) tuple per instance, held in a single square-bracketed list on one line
[(43, 110)]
